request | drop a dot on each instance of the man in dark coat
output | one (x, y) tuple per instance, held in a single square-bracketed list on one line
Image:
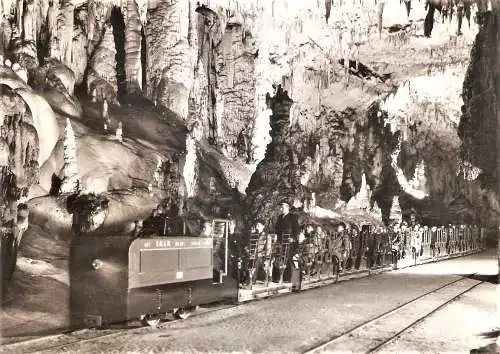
[(287, 224), (287, 229)]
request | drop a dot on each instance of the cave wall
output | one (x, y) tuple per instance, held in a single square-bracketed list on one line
[(19, 170), (478, 125), (213, 64)]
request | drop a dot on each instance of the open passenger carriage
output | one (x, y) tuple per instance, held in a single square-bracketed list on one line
[(319, 258)]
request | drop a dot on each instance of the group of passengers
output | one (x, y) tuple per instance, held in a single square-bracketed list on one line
[(292, 246), (273, 255), (441, 239)]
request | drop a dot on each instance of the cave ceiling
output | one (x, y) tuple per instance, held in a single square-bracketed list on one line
[(373, 93)]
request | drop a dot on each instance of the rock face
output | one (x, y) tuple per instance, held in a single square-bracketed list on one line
[(102, 72), (18, 172), (357, 92), (170, 55), (89, 212), (278, 175), (70, 182), (478, 124)]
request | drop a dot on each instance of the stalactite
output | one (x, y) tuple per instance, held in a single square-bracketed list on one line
[(19, 14), (29, 22), (408, 7), (133, 39), (229, 57), (328, 6), (380, 14)]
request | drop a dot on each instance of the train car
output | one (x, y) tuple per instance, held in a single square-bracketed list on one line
[(169, 269), (175, 264)]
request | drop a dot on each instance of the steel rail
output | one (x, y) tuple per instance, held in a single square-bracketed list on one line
[(414, 323), (344, 334), (39, 347)]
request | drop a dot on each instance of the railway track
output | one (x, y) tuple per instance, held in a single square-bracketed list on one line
[(365, 337), (70, 338), (373, 335)]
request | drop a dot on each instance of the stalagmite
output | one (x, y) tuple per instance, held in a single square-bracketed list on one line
[(119, 132), (105, 115), (70, 182), (102, 73), (395, 214)]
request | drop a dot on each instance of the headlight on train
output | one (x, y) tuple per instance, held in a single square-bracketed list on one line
[(96, 264)]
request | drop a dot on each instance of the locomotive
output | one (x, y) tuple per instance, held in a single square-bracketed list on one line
[(171, 268)]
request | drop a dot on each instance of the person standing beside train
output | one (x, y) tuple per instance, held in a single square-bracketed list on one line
[(287, 230), (287, 225)]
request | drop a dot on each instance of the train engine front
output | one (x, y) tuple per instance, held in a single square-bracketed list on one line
[(173, 265)]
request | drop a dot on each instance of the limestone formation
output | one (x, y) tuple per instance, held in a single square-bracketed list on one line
[(213, 66), (277, 176), (70, 179), (362, 200), (89, 211), (170, 55), (102, 72), (119, 132), (19, 170), (133, 38), (395, 215)]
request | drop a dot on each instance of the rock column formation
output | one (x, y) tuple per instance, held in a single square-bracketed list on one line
[(18, 172), (480, 121), (170, 55), (277, 176), (478, 125), (102, 73), (133, 38), (70, 182)]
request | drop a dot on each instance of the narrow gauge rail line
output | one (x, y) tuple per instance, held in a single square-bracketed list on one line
[(414, 323), (325, 344), (80, 336)]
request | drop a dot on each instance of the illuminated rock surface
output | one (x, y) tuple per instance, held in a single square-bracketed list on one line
[(348, 100)]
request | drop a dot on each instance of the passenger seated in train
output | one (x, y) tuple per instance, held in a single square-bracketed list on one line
[(308, 233), (416, 242), (320, 237), (396, 244), (361, 257), (346, 245), (306, 249), (433, 241), (261, 267)]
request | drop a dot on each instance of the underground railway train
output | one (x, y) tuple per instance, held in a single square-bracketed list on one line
[(176, 264)]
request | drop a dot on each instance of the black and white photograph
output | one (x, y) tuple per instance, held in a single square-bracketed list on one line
[(250, 176)]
